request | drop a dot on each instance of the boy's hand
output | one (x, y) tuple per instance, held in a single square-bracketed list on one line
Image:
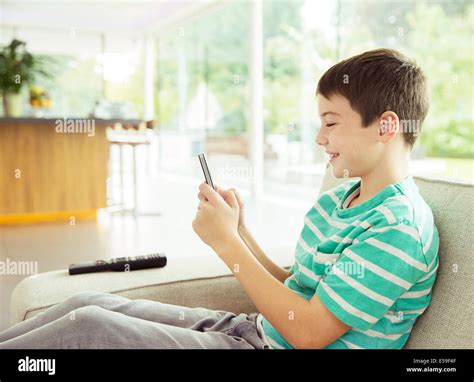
[(217, 218), (225, 195)]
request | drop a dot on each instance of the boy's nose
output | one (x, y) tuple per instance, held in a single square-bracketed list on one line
[(321, 137)]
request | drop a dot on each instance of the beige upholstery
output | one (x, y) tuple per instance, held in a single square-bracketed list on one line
[(191, 281), (448, 322), (206, 281)]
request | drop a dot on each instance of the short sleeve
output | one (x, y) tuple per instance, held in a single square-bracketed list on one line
[(372, 273)]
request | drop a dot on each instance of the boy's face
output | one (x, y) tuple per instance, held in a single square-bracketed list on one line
[(342, 133)]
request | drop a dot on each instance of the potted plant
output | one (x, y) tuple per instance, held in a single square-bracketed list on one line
[(18, 68)]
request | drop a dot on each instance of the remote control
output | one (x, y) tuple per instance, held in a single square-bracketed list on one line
[(120, 264)]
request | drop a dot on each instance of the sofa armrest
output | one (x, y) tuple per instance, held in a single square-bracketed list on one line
[(196, 281), (203, 281)]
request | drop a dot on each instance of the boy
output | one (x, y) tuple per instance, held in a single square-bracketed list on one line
[(366, 259), (365, 262)]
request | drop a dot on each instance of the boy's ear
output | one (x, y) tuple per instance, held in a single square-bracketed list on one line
[(389, 126)]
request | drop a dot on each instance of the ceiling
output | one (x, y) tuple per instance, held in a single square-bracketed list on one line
[(98, 16), (66, 26)]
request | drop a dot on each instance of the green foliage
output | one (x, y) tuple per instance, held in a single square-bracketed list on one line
[(439, 36), (442, 42), (19, 68)]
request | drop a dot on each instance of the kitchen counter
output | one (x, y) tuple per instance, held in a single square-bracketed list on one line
[(53, 169)]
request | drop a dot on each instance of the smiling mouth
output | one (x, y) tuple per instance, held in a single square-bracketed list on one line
[(332, 156)]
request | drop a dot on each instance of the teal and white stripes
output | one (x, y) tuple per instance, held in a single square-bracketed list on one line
[(373, 265)]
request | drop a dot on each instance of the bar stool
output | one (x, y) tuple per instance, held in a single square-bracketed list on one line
[(133, 135)]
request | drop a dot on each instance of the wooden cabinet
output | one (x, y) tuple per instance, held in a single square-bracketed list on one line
[(46, 172)]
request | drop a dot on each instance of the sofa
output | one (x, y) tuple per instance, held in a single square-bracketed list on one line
[(206, 281)]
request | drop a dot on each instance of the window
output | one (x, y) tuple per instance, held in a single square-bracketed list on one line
[(304, 38)]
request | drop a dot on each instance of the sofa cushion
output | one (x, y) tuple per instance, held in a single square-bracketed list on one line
[(447, 323)]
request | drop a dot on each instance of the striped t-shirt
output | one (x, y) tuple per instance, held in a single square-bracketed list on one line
[(372, 265)]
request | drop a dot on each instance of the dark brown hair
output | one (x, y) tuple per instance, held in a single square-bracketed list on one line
[(377, 81)]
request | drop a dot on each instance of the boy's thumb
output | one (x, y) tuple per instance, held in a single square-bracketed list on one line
[(231, 198), (221, 192)]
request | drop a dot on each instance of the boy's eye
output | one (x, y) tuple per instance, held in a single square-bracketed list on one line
[(330, 124)]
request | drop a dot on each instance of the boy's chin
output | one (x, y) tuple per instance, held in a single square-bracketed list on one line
[(339, 173)]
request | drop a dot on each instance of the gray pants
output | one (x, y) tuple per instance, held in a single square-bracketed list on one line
[(95, 320)]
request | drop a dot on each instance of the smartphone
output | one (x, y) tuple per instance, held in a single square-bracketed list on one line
[(205, 170)]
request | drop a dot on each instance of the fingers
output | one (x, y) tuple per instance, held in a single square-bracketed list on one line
[(223, 193), (211, 195), (238, 197), (201, 205), (231, 198), (220, 190), (226, 196)]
